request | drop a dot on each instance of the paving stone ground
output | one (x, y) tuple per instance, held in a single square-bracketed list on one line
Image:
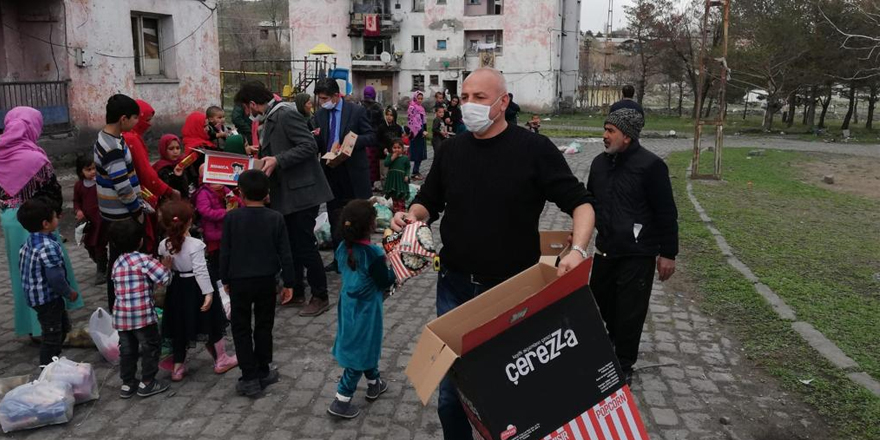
[(689, 377)]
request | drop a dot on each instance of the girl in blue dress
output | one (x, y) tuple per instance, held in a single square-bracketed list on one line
[(365, 277)]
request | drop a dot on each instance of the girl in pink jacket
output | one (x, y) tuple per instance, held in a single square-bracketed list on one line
[(212, 202)]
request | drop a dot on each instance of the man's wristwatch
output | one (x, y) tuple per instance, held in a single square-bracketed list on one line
[(580, 250)]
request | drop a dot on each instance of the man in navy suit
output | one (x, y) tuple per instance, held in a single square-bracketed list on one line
[(351, 179)]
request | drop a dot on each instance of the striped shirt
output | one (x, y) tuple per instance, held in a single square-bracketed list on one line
[(119, 192), (134, 275), (39, 253)]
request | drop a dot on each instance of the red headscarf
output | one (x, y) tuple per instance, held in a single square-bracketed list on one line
[(194, 134), (146, 111), (165, 161)]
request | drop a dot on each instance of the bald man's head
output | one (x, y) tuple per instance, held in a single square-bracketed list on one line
[(489, 79)]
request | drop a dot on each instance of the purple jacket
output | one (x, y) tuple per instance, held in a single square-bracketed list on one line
[(213, 210)]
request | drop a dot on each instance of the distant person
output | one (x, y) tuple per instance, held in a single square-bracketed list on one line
[(439, 129), (512, 111), (627, 101), (417, 122), (637, 221), (305, 107), (455, 117), (376, 116), (440, 100), (534, 125)]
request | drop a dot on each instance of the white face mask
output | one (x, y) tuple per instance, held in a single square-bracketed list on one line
[(476, 116), (329, 105)]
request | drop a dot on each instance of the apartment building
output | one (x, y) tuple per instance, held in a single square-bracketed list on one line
[(398, 46)]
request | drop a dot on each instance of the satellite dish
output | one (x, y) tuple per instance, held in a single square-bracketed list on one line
[(385, 57)]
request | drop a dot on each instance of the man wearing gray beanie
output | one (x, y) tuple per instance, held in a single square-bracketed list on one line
[(638, 231)]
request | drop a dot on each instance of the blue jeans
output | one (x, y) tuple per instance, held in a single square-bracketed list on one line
[(454, 290), (350, 378)]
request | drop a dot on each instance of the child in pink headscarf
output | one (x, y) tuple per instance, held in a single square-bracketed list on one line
[(416, 124)]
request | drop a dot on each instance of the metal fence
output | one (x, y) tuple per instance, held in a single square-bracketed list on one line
[(49, 97)]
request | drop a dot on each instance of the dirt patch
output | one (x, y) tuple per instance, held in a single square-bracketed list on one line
[(852, 175)]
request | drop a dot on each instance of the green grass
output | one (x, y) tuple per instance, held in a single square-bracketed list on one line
[(808, 245)]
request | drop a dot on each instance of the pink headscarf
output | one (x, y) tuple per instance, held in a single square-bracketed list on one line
[(20, 156), (415, 115)]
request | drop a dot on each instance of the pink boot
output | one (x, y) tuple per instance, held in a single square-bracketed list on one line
[(167, 364), (178, 373), (222, 361)]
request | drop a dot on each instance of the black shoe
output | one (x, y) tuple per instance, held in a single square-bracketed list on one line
[(271, 377), (345, 410), (155, 387), (128, 390), (376, 389), (248, 387), (332, 267)]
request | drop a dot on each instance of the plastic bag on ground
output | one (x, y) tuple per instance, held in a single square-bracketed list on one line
[(224, 298), (36, 404), (324, 236), (413, 190), (80, 376), (383, 216), (105, 336), (8, 384)]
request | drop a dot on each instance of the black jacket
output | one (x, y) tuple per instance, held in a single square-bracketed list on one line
[(633, 188), (354, 118)]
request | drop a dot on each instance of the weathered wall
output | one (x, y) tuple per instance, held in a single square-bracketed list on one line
[(103, 29), (317, 21), (25, 58)]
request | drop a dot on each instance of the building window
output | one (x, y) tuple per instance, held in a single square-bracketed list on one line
[(418, 42), (441, 2), (484, 7), (418, 82), (418, 5), (264, 34), (473, 2), (146, 38), (441, 44), (435, 80), (479, 41)]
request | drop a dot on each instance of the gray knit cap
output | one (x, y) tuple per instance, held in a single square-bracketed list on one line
[(628, 121)]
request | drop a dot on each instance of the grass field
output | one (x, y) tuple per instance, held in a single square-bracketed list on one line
[(817, 249)]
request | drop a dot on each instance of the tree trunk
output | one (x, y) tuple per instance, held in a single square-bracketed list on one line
[(680, 97), (668, 98), (852, 102), (825, 105), (640, 93), (855, 119), (709, 107), (872, 101), (792, 108), (769, 112), (746, 109)]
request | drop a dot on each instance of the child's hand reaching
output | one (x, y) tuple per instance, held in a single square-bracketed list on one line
[(167, 261), (178, 170), (79, 215), (207, 304), (286, 295)]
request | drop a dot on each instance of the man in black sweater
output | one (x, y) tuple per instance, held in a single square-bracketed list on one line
[(637, 221), (491, 185)]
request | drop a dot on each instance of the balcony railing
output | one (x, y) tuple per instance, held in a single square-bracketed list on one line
[(49, 97), (387, 25), (373, 63)]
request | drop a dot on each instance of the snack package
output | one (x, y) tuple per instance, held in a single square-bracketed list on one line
[(80, 376), (105, 336), (410, 251), (36, 404)]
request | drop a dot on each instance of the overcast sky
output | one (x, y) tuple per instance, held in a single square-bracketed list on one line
[(594, 14)]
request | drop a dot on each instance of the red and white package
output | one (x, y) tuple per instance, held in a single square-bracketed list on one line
[(410, 251)]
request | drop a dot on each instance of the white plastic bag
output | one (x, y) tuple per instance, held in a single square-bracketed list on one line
[(224, 298), (105, 336), (79, 233), (80, 376), (320, 220), (8, 384), (36, 404)]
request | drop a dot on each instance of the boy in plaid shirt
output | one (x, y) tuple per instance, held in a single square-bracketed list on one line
[(44, 277), (133, 276)]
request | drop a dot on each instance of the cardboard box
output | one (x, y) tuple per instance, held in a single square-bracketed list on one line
[(224, 168), (531, 360), (553, 245), (341, 153)]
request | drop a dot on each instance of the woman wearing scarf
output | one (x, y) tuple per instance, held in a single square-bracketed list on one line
[(25, 174), (147, 176), (305, 107), (455, 115), (417, 124), (166, 166)]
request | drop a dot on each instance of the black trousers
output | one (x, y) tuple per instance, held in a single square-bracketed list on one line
[(304, 247), (143, 343), (253, 345), (55, 325), (622, 288)]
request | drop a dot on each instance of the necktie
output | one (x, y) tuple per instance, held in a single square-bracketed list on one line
[(332, 134)]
